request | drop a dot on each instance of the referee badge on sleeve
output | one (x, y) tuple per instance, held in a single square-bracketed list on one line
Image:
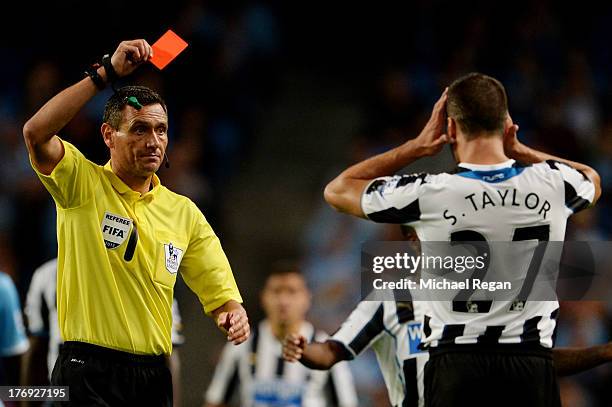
[(173, 257), (115, 229)]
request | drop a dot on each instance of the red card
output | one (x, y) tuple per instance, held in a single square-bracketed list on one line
[(166, 49)]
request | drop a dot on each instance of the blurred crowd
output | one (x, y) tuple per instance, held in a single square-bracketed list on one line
[(554, 62)]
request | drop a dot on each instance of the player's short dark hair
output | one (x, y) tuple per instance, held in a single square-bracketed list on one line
[(283, 267), (478, 103), (113, 111)]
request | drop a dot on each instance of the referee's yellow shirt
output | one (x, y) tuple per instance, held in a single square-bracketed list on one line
[(119, 254)]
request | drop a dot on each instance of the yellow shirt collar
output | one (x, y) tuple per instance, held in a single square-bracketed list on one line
[(124, 189)]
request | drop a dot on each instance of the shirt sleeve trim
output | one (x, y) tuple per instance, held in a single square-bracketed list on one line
[(363, 194), (350, 353)]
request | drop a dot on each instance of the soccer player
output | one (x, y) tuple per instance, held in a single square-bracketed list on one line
[(502, 190), (391, 329), (122, 239), (13, 340), (256, 369)]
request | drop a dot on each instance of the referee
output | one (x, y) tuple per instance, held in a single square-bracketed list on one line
[(122, 238)]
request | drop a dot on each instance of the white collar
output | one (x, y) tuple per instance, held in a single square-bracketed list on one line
[(487, 167)]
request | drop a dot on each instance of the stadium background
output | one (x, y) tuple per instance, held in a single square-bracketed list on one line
[(273, 98)]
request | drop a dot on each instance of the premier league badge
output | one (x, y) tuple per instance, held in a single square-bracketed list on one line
[(174, 256)]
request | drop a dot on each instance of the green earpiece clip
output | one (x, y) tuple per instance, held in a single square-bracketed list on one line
[(132, 101)]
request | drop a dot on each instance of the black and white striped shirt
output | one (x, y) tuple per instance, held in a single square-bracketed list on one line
[(257, 370), (497, 203), (393, 331)]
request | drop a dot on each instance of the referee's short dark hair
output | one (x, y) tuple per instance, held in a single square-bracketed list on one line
[(478, 103), (113, 111)]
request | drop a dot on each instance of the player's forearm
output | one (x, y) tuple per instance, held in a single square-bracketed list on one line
[(530, 155), (343, 193), (387, 163), (570, 361), (321, 356), (58, 111)]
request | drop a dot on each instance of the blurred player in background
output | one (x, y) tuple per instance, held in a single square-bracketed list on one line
[(502, 190), (391, 329), (13, 340), (45, 340), (122, 239), (257, 371)]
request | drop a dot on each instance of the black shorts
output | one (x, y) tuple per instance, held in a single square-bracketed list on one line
[(99, 376), (508, 377)]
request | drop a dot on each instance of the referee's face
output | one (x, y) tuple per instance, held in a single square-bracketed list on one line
[(285, 298), (139, 144)]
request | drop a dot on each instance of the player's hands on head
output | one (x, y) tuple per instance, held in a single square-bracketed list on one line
[(129, 55), (235, 324), (433, 136), (293, 347)]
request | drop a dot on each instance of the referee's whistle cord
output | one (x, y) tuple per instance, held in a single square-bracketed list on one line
[(131, 246)]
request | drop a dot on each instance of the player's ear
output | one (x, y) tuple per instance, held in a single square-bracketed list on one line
[(451, 129), (508, 123), (107, 134)]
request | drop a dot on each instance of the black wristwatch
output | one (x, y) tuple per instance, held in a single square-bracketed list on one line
[(111, 74), (92, 72)]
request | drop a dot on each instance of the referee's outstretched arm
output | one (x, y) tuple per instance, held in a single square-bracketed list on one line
[(46, 150)]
